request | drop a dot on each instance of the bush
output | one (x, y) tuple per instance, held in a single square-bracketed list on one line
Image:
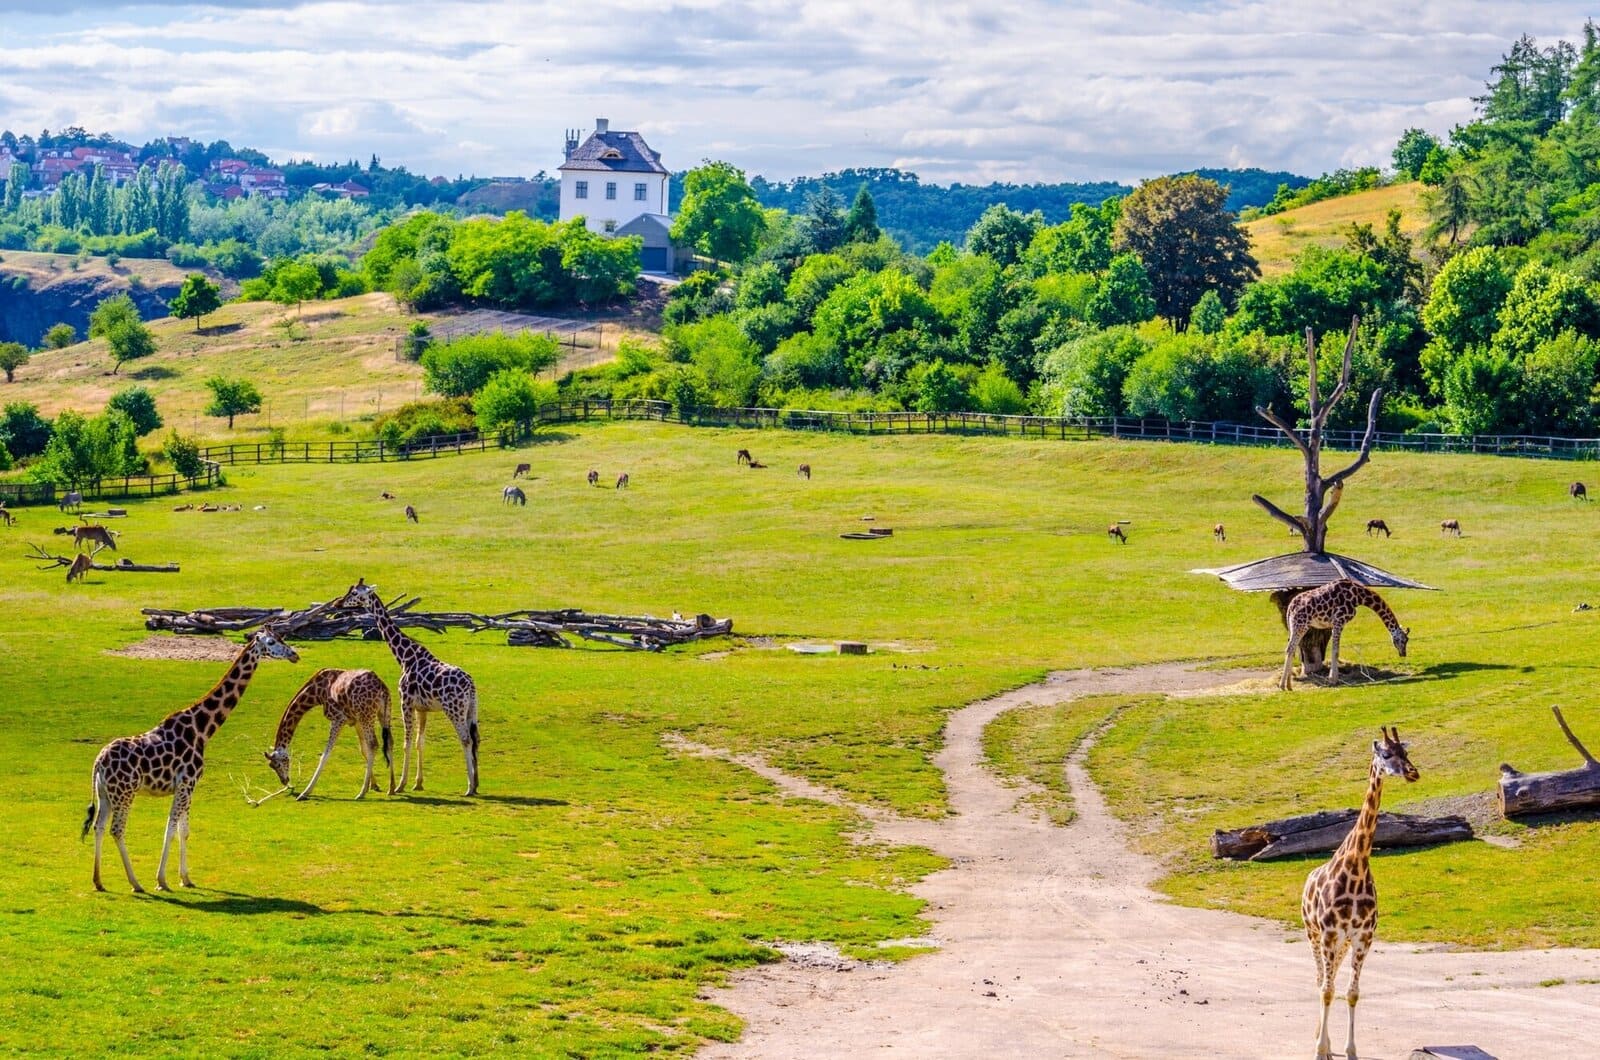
[(83, 451), (995, 392), (139, 406), (23, 431), (60, 336), (510, 396), (461, 367), (425, 419), (184, 455)]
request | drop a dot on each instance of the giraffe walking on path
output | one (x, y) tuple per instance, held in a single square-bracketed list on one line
[(347, 697), (1331, 607), (426, 684), (1340, 902), (169, 760)]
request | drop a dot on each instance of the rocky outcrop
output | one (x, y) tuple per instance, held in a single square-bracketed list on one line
[(32, 301)]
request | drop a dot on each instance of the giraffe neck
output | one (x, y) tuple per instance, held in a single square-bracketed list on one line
[(1381, 609), (407, 652), (312, 695), (1358, 844), (207, 716)]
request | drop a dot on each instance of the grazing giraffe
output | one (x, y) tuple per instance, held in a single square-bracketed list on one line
[(522, 469), (622, 481), (513, 495), (347, 697), (1219, 532), (426, 684), (169, 760), (1115, 532), (744, 457), (805, 472), (593, 477), (1377, 525), (1331, 607), (1450, 526), (1578, 491), (1339, 905), (411, 514)]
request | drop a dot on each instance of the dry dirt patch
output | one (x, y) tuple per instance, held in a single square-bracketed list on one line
[(185, 649)]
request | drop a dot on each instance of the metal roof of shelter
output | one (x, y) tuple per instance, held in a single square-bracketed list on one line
[(1306, 570)]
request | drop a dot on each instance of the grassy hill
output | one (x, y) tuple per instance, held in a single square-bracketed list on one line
[(1277, 239), (582, 904)]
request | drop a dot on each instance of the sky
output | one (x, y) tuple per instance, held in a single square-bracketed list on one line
[(1009, 90)]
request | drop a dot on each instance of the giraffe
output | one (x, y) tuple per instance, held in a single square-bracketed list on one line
[(1331, 606), (169, 760), (347, 697), (1340, 902), (426, 684)]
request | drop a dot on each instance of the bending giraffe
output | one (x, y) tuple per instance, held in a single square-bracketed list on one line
[(426, 684), (1331, 607), (169, 760), (347, 697), (1339, 905)]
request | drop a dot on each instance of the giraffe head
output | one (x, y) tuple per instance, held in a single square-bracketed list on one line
[(270, 647), (363, 596), (1389, 755), (278, 759), (1400, 634)]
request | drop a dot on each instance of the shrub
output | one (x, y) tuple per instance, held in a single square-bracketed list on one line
[(510, 396), (461, 367), (184, 455), (425, 419), (23, 430), (60, 336)]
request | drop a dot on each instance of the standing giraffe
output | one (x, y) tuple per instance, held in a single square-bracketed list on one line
[(169, 760), (347, 697), (1330, 607), (426, 684), (1340, 902)]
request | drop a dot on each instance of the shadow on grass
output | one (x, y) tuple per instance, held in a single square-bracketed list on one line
[(233, 903), (543, 436), (155, 371), (463, 800), (221, 329), (1445, 671)]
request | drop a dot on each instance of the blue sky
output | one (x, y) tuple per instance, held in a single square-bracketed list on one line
[(1000, 90)]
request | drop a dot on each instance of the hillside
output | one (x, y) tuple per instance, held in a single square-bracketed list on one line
[(40, 290), (1277, 239)]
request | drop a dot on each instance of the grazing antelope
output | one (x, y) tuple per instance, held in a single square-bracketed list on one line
[(1115, 531), (1450, 526), (1219, 532), (594, 477), (622, 481), (522, 469), (744, 457), (805, 472), (1578, 491), (98, 536), (756, 463), (513, 495), (386, 496), (71, 499), (411, 514), (1377, 526), (82, 563)]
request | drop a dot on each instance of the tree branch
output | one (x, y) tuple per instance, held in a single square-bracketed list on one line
[(1344, 377), (1573, 740), (1311, 359), (1272, 418), (1366, 442), (1296, 521)]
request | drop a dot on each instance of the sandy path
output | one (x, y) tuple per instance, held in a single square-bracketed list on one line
[(1052, 944)]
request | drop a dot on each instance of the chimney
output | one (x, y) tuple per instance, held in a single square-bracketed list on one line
[(572, 141), (602, 126)]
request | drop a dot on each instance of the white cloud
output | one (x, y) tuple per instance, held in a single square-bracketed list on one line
[(1009, 89)]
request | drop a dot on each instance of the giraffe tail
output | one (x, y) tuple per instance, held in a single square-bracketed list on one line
[(88, 819), (388, 744), (474, 732)]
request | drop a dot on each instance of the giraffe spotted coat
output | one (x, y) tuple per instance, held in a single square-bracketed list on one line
[(347, 697), (1331, 607)]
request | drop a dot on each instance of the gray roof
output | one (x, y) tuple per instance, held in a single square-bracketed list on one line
[(1306, 570), (634, 155), (646, 220)]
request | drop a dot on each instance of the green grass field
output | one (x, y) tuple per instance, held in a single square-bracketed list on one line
[(584, 901)]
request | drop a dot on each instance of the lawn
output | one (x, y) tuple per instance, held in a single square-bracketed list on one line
[(582, 903)]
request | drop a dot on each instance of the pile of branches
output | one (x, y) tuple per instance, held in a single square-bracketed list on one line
[(525, 628)]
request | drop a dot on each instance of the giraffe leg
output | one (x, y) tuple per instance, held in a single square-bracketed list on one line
[(465, 723), (368, 746), (102, 817), (422, 733), (172, 829), (187, 795), (327, 752), (1333, 655), (408, 719), (119, 826), (1327, 969), (1358, 953), (1286, 682)]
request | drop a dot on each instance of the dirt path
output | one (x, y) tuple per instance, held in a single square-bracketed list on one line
[(1052, 944)]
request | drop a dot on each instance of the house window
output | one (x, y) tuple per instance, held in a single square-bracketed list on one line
[(611, 226), (580, 190), (611, 189), (639, 192)]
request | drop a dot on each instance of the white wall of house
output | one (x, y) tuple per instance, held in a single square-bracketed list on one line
[(597, 209)]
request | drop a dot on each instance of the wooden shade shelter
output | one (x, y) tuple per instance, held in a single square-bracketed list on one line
[(1305, 570)]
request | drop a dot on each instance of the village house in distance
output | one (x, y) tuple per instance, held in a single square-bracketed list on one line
[(617, 184)]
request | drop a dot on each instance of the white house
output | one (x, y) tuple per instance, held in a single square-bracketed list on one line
[(612, 178)]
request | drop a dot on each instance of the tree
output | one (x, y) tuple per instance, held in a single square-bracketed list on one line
[(1002, 234), (83, 451), (1123, 295), (23, 430), (1542, 303), (110, 312), (1209, 316), (460, 368), (184, 455), (509, 396), (129, 341), (139, 406), (719, 215), (940, 389), (1189, 243), (823, 225), (60, 336), (13, 355), (1450, 204), (17, 181), (232, 397), (1463, 307), (296, 281), (197, 297), (861, 223), (1412, 152)]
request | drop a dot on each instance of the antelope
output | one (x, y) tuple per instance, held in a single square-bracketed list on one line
[(622, 481), (1450, 526), (744, 457), (756, 464), (386, 496), (1578, 491), (1115, 531), (513, 495), (208, 508), (98, 536), (184, 508), (522, 469), (71, 499), (411, 513), (1377, 525), (805, 472), (81, 565), (594, 477), (1219, 533), (7, 517)]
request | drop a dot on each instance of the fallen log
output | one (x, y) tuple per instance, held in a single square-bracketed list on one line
[(1569, 789), (1323, 831), (127, 566)]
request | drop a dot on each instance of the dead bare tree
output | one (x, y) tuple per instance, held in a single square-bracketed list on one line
[(1322, 493)]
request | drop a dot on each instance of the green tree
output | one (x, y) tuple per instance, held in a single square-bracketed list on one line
[(1002, 234), (1082, 243), (940, 389), (139, 406), (23, 430), (232, 397), (1189, 243), (1085, 376), (129, 340), (861, 223), (1210, 315), (822, 227), (17, 182), (1123, 295), (1451, 203), (60, 336), (1412, 152), (82, 451), (1463, 307), (509, 396), (13, 355), (1480, 393), (183, 454), (995, 392), (1542, 303), (111, 311), (297, 282), (719, 215), (460, 368), (197, 297)]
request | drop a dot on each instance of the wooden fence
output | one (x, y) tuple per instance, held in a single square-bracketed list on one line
[(19, 494)]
